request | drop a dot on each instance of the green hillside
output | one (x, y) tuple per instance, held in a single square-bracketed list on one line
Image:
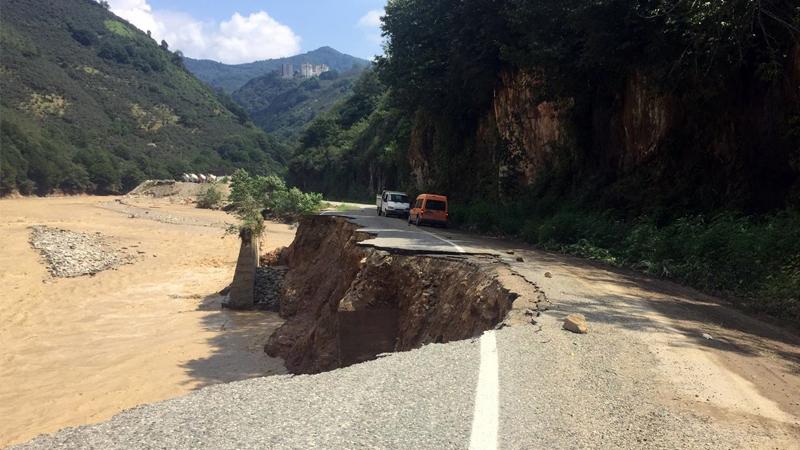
[(230, 77), (90, 103), (283, 107)]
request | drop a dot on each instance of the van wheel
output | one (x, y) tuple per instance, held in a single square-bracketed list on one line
[(418, 221)]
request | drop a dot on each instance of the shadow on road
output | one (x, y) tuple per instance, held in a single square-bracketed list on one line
[(628, 299)]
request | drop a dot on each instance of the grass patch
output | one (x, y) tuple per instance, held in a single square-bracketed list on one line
[(42, 105), (118, 28)]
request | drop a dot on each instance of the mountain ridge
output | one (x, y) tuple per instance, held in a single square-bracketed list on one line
[(230, 77), (284, 107)]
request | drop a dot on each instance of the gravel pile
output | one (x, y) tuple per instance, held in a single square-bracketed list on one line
[(269, 280), (71, 254)]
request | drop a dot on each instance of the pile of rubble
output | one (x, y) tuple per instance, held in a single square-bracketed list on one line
[(269, 281), (72, 254)]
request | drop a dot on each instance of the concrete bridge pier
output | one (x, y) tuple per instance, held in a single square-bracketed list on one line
[(243, 286)]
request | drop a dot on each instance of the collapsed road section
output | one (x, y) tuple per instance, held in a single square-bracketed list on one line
[(347, 303)]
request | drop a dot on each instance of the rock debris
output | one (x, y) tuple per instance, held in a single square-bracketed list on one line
[(72, 254), (269, 280)]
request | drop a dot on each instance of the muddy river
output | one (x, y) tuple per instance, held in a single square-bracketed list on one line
[(78, 350)]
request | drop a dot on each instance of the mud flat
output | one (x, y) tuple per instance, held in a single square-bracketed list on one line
[(78, 350)]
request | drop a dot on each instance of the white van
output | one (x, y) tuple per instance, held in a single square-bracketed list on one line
[(392, 203)]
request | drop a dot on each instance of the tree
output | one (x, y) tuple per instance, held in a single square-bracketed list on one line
[(321, 132)]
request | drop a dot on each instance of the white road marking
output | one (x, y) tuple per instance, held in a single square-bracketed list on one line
[(458, 247), (485, 418)]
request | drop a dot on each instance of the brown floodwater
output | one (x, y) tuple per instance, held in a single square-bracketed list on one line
[(78, 350)]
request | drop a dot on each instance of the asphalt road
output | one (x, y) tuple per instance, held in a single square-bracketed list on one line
[(396, 233), (661, 367)]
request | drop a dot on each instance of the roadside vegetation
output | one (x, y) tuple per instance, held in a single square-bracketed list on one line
[(751, 260), (253, 198)]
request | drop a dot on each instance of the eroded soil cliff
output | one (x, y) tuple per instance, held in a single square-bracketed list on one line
[(345, 303)]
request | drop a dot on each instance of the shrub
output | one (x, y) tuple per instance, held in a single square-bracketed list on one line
[(245, 188), (249, 213), (250, 195), (210, 198), (84, 37), (291, 203)]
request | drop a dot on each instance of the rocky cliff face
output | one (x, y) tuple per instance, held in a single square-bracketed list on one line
[(534, 131), (531, 129), (642, 121), (419, 151), (728, 144)]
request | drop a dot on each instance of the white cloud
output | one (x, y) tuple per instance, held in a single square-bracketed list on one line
[(372, 19), (240, 39), (137, 12), (254, 37), (371, 22)]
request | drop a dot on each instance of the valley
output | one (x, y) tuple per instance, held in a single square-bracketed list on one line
[(588, 233)]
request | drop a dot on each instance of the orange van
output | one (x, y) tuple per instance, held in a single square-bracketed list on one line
[(429, 208)]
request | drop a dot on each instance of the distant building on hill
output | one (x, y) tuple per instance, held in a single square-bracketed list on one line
[(287, 71), (313, 70), (306, 70), (319, 68)]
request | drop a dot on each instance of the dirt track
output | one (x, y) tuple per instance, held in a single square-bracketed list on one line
[(77, 351)]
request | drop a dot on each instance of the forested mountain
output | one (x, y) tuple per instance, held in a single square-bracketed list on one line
[(356, 148), (283, 107), (90, 103), (230, 77), (659, 135)]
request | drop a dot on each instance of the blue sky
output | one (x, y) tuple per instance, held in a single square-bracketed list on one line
[(235, 31)]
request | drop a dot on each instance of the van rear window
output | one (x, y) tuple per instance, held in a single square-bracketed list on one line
[(398, 198), (435, 205)]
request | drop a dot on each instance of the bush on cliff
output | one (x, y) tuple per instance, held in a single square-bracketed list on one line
[(271, 195), (293, 202)]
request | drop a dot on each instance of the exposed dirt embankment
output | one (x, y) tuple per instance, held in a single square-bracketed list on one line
[(346, 303)]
